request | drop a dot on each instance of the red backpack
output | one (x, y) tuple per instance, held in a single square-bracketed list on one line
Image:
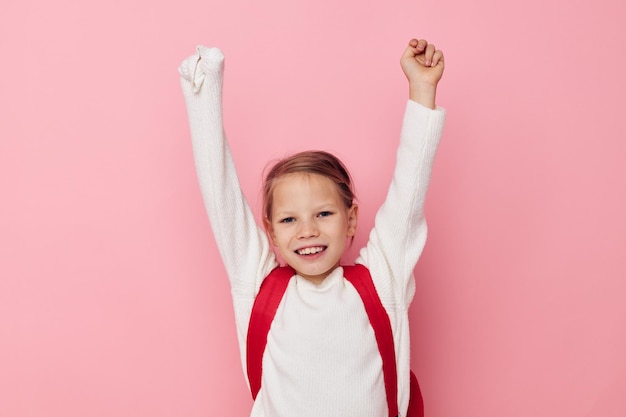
[(264, 309)]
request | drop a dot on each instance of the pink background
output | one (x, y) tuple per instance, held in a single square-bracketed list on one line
[(113, 300)]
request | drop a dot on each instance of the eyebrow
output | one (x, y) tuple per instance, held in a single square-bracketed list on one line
[(318, 208)]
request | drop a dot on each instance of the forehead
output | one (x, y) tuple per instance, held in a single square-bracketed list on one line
[(304, 186)]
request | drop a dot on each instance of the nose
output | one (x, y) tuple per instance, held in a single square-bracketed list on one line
[(307, 229)]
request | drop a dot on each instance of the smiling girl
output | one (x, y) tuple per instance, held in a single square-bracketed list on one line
[(321, 357)]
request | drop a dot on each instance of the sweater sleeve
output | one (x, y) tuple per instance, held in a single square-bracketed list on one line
[(243, 246), (399, 234)]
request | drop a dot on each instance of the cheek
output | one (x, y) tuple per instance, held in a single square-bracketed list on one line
[(277, 238)]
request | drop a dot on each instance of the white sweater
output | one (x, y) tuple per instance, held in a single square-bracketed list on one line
[(321, 358)]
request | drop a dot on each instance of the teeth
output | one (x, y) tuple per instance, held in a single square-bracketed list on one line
[(310, 251)]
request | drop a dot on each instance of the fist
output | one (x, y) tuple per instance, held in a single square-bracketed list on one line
[(422, 63)]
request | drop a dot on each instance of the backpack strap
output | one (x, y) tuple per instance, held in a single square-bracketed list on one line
[(264, 309), (359, 276)]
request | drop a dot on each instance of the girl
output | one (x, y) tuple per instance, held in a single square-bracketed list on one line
[(321, 358)]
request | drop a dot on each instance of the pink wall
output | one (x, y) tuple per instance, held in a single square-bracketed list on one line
[(113, 300)]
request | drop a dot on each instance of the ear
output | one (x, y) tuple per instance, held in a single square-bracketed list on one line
[(353, 215), (269, 230)]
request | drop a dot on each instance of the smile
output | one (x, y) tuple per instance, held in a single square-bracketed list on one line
[(311, 250)]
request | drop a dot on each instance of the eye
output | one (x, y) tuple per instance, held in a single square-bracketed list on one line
[(287, 220), (325, 214)]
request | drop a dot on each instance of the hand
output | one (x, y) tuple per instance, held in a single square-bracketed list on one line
[(207, 62), (423, 66)]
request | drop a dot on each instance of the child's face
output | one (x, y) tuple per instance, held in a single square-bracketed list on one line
[(310, 224)]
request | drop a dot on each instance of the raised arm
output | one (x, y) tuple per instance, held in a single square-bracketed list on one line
[(243, 246), (399, 233)]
